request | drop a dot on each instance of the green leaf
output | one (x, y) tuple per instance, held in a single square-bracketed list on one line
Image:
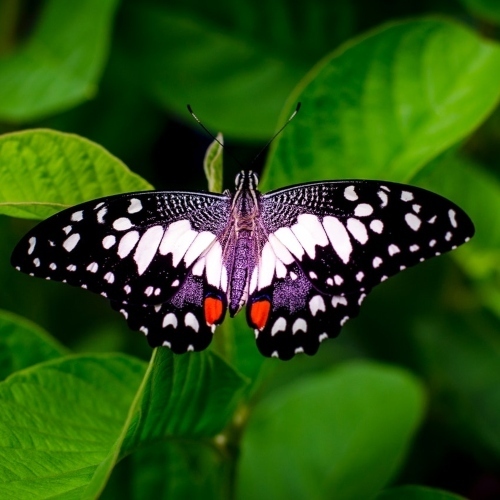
[(181, 398), (318, 437), (59, 420), (44, 171), (60, 64), (386, 104), (171, 469), (24, 344), (235, 63), (212, 165), (489, 10), (417, 493)]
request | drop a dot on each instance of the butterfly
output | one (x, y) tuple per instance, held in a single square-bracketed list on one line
[(301, 259)]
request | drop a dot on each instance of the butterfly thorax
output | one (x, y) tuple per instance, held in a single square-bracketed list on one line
[(242, 250)]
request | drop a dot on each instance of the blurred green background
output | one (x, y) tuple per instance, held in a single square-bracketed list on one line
[(402, 91)]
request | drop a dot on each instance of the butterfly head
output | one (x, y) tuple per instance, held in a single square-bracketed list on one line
[(246, 180)]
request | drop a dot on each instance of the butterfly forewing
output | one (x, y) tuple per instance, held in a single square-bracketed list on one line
[(351, 235), (135, 248)]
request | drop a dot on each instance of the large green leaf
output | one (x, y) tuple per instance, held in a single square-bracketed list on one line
[(386, 104), (234, 62), (70, 420), (59, 421), (43, 171), (317, 438), (24, 344), (60, 64), (181, 398)]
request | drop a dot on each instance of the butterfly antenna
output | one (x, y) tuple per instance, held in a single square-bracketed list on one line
[(292, 116), (212, 135)]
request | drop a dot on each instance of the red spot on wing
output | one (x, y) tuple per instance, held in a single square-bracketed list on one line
[(214, 310), (259, 313)]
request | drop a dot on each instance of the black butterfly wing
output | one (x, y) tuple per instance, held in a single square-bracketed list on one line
[(180, 323), (300, 317), (351, 235), (328, 244), (135, 248)]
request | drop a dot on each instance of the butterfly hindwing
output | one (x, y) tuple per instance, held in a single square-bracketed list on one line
[(351, 235), (135, 248), (184, 323), (299, 317)]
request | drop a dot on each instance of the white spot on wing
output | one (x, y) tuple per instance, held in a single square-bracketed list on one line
[(93, 267), (305, 239), (299, 324), (448, 236), (339, 237), (452, 216), (77, 216), (147, 248), (383, 198), (127, 289), (414, 248), (267, 266), (377, 226), (148, 291), (280, 269), (71, 268), (109, 277), (67, 229), (280, 250), (36, 262), (406, 196), (413, 221), (135, 206), (32, 242), (358, 230), (393, 249), (214, 264), (198, 246), (289, 240), (338, 280), (316, 304), (53, 266), (101, 214), (363, 210), (191, 321), (350, 194), (376, 262), (360, 276), (279, 326), (108, 241), (127, 243), (122, 224), (170, 319), (337, 300), (71, 242)]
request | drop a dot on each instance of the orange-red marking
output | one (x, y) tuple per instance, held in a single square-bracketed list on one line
[(259, 313), (214, 309)]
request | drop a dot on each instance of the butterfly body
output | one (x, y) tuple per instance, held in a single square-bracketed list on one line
[(302, 258)]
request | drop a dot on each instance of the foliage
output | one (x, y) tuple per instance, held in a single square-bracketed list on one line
[(407, 395)]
